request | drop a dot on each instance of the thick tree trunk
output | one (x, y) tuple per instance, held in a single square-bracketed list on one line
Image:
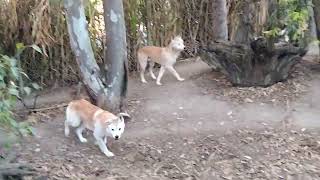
[(219, 20), (106, 92), (81, 47), (258, 64), (316, 10), (313, 47), (115, 57), (248, 18)]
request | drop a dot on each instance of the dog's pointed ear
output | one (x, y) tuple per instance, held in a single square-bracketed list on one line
[(122, 115)]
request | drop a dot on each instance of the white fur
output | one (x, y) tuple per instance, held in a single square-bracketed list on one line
[(113, 129)]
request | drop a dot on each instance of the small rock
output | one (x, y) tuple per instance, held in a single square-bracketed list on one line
[(248, 100), (247, 157), (37, 150)]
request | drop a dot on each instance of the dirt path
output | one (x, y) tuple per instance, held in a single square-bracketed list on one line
[(189, 130)]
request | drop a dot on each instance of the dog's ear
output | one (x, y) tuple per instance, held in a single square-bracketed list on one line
[(122, 115)]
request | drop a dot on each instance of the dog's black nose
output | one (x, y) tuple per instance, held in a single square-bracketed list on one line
[(116, 137)]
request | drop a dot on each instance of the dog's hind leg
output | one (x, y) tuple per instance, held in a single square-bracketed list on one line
[(143, 61), (72, 119), (151, 65), (79, 131), (174, 72)]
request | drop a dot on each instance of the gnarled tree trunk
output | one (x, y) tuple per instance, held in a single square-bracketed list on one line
[(257, 64)]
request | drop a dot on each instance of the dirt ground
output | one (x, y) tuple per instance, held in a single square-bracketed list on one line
[(202, 128)]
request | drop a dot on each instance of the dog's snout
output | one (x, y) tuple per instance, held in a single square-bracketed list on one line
[(116, 137)]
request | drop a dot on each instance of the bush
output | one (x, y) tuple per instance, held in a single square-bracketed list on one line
[(12, 87)]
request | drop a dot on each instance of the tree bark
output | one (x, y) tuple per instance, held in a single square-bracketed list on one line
[(257, 64), (316, 10), (313, 48), (115, 58), (105, 90), (82, 49), (219, 20)]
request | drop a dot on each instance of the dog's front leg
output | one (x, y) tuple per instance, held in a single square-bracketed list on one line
[(174, 72), (161, 72), (100, 141)]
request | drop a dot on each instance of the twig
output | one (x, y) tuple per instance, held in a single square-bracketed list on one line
[(49, 108)]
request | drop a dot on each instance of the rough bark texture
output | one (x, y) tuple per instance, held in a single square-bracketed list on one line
[(257, 64), (81, 47), (248, 18), (220, 20), (115, 54), (316, 10), (107, 91), (313, 48)]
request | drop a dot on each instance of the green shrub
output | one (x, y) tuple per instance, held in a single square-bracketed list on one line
[(12, 87)]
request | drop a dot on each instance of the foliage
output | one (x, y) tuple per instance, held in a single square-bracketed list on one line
[(12, 87), (289, 19)]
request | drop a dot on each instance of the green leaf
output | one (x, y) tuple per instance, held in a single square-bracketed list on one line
[(36, 48), (20, 46), (14, 92)]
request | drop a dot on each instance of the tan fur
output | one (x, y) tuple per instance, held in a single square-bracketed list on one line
[(84, 115), (86, 111), (165, 56)]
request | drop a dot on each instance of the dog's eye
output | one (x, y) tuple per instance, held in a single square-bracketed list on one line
[(119, 129), (112, 129)]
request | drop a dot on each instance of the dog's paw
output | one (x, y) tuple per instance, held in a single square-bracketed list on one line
[(83, 140), (144, 81), (181, 79), (159, 83), (153, 77), (109, 154)]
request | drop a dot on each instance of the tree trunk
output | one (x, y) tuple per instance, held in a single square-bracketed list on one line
[(219, 20), (248, 19), (242, 25), (316, 10), (257, 64), (81, 47), (107, 91), (115, 58), (313, 47)]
